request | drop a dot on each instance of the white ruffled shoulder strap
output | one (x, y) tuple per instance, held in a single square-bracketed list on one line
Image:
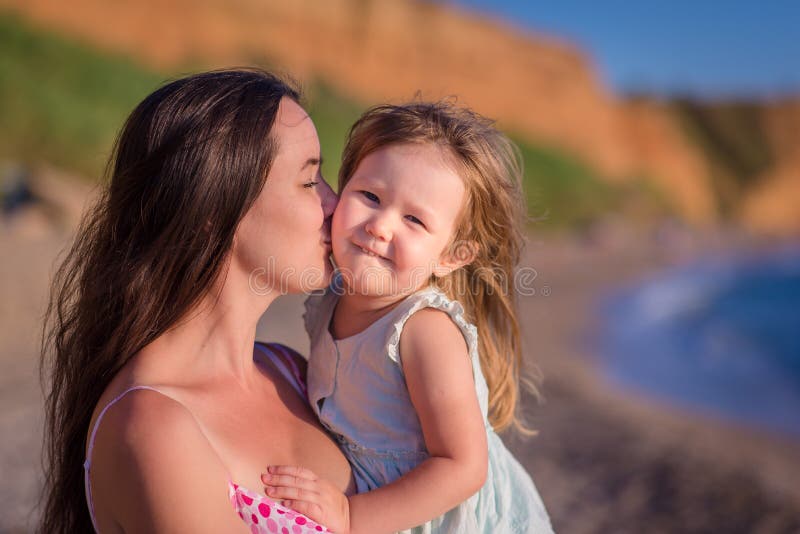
[(431, 298)]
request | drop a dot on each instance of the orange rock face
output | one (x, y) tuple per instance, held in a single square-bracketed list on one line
[(774, 206), (376, 50)]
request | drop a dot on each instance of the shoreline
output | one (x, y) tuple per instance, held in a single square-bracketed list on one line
[(644, 459), (712, 337)]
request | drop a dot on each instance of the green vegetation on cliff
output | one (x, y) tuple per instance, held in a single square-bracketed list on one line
[(62, 102)]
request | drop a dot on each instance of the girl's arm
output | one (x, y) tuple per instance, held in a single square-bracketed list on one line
[(440, 382)]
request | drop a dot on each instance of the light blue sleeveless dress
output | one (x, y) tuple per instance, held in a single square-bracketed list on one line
[(357, 389)]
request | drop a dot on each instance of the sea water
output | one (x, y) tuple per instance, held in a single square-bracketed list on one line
[(720, 336)]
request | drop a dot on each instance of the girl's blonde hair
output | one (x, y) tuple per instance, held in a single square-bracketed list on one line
[(490, 227)]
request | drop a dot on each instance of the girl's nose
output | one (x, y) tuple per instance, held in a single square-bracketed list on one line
[(378, 227)]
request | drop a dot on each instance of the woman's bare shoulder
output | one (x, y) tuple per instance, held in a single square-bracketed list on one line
[(149, 449), (147, 421)]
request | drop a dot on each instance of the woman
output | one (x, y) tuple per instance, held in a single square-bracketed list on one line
[(216, 205)]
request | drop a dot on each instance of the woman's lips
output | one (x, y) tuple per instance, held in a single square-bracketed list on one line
[(326, 232)]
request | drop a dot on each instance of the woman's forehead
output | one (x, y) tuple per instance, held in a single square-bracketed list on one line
[(295, 130), (290, 113)]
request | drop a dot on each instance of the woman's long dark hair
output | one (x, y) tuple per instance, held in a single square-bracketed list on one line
[(188, 164)]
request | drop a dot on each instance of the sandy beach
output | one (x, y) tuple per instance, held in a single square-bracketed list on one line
[(605, 460)]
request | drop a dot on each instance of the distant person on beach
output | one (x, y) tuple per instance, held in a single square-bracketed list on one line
[(415, 347), (162, 411)]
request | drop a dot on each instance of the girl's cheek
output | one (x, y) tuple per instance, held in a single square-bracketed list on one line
[(346, 209), (339, 219)]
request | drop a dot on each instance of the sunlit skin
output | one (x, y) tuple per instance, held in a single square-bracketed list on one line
[(394, 222), (235, 412), (283, 242)]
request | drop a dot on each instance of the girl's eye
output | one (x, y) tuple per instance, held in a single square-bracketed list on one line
[(309, 185), (415, 220), (370, 196)]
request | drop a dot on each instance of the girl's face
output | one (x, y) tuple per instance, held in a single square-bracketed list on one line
[(283, 242), (395, 218)]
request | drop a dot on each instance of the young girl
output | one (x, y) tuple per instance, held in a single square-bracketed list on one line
[(415, 348)]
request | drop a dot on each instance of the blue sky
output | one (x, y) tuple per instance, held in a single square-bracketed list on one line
[(705, 48)]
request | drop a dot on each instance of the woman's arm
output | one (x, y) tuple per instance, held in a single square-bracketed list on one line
[(440, 382), (153, 470)]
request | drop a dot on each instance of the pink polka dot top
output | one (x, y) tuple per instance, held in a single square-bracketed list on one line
[(262, 514)]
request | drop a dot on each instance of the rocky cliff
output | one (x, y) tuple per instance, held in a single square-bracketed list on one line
[(542, 88)]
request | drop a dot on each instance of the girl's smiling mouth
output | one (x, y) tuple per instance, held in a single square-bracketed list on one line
[(369, 252)]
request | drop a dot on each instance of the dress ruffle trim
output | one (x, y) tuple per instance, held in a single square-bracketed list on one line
[(433, 298)]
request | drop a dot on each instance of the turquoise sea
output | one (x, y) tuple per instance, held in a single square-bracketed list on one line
[(720, 336)]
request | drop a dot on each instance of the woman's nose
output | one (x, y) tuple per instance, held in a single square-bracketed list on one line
[(328, 198)]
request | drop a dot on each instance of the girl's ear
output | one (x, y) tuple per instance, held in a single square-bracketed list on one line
[(457, 256)]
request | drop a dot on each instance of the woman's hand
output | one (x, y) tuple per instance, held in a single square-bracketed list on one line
[(316, 498)]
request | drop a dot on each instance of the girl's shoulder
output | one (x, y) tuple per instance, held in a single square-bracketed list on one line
[(430, 298)]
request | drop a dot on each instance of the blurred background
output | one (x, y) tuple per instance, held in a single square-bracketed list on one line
[(662, 154)]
